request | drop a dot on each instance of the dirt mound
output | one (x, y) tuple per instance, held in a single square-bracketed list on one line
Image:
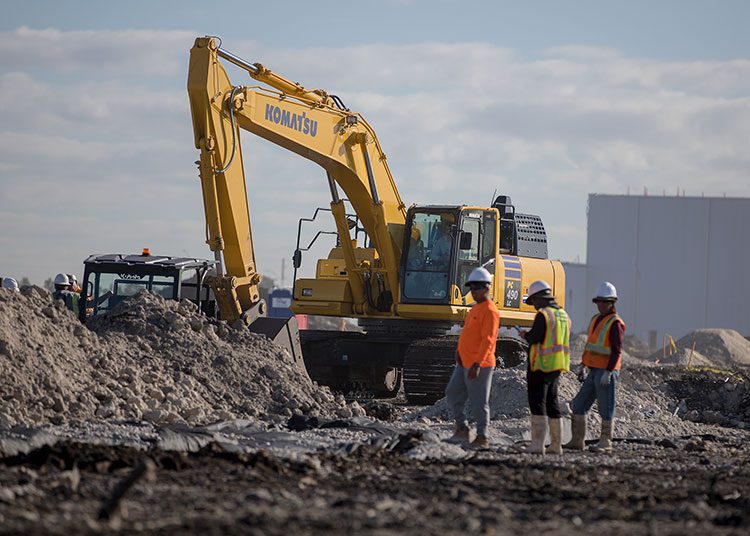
[(149, 358), (716, 347), (635, 347), (710, 396), (684, 357), (646, 406), (577, 346)]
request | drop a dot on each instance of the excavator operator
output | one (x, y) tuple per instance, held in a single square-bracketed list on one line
[(440, 250)]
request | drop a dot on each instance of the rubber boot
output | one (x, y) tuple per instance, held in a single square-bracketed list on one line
[(605, 440), (460, 435), (480, 442), (538, 433), (555, 436), (578, 432)]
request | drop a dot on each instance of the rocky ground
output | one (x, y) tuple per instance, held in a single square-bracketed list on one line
[(158, 420), (683, 486)]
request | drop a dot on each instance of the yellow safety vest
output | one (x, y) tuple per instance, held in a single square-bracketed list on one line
[(553, 353)]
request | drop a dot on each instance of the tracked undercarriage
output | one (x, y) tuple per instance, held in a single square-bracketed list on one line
[(377, 364)]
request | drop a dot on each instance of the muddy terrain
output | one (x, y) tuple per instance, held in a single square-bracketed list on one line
[(160, 421), (677, 486)]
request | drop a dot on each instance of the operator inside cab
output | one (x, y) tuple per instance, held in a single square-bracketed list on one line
[(428, 266), (441, 241)]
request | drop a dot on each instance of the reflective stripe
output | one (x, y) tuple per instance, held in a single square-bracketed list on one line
[(553, 349), (600, 343)]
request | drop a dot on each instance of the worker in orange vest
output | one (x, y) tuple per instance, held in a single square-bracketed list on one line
[(602, 358), (475, 362)]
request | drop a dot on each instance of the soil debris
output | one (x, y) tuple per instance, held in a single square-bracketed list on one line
[(148, 359), (712, 347)]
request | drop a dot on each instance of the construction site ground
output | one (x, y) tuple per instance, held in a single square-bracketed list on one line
[(375, 483), (157, 420)]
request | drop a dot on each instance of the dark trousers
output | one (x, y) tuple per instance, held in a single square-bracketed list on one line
[(542, 387)]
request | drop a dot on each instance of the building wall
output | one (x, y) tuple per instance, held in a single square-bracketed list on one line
[(577, 300), (679, 263)]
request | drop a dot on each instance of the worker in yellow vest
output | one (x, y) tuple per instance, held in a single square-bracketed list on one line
[(602, 358), (549, 355)]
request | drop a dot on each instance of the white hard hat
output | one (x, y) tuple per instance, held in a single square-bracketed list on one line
[(479, 275), (539, 289), (72, 278), (62, 279), (606, 292), (10, 284)]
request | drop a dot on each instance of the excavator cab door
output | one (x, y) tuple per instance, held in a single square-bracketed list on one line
[(477, 246), (429, 255), (468, 252)]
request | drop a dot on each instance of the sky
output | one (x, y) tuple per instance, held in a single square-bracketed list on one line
[(545, 101)]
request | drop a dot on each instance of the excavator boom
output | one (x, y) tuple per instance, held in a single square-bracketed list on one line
[(310, 124)]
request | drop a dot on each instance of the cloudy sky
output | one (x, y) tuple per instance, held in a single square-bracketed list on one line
[(544, 101)]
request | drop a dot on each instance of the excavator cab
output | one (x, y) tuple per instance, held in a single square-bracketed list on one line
[(443, 245)]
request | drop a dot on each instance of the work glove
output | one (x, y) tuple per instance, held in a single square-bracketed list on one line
[(473, 372), (604, 380), (581, 374)]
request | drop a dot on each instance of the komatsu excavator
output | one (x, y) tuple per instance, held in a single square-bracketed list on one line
[(399, 271)]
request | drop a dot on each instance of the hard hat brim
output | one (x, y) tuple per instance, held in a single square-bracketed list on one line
[(598, 299), (545, 294)]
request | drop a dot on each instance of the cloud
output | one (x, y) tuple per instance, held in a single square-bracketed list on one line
[(96, 141), (98, 53)]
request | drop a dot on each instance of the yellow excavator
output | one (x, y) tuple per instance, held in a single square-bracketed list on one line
[(398, 270)]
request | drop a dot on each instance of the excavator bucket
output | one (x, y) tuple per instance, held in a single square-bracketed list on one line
[(284, 332)]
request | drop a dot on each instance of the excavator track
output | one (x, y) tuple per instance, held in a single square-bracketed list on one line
[(428, 365)]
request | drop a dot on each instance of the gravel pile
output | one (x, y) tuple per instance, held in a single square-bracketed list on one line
[(148, 359), (714, 347), (647, 406), (635, 347)]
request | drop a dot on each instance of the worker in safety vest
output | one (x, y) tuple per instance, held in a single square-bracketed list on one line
[(549, 355), (602, 357), (475, 362), (62, 292)]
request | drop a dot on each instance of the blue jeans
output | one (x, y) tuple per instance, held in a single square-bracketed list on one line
[(477, 391), (592, 391)]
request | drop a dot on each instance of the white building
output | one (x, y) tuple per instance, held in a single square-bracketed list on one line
[(679, 263), (577, 296)]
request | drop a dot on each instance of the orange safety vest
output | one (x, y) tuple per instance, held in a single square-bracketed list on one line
[(598, 346)]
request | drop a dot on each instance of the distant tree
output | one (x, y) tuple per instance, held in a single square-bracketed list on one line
[(49, 284)]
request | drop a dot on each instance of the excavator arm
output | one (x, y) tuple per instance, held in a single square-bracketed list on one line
[(310, 123)]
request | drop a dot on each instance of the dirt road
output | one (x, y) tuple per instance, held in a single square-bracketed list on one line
[(680, 486)]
